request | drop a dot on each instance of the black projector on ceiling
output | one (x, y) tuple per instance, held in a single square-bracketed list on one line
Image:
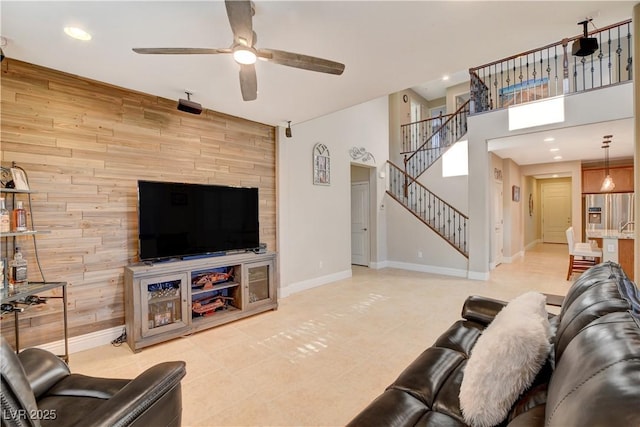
[(189, 106), (584, 46)]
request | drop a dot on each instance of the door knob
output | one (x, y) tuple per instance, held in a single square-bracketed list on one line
[(364, 229)]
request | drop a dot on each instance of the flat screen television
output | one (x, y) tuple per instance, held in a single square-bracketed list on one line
[(177, 220)]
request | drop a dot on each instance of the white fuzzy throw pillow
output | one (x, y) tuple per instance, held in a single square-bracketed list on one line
[(505, 360)]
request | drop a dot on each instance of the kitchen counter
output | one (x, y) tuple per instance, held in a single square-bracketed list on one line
[(616, 247), (609, 234)]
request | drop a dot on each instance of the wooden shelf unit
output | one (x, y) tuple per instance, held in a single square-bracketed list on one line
[(159, 296)]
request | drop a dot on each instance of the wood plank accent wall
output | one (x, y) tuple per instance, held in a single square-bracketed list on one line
[(84, 145)]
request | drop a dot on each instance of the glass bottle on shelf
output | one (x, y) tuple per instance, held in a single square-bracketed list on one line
[(5, 219), (17, 269), (19, 217)]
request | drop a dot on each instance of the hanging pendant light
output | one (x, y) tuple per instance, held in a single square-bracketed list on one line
[(607, 184)]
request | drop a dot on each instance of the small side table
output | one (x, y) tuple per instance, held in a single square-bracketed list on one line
[(33, 288)]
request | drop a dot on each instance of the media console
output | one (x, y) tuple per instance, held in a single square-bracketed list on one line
[(171, 299)]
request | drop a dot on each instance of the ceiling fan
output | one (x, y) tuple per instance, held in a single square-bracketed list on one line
[(245, 53)]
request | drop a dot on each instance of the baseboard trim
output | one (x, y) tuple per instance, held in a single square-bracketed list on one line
[(445, 271), (532, 244), (313, 283), (510, 259), (479, 275), (84, 342), (379, 265)]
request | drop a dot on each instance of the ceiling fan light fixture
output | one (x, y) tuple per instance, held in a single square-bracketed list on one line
[(77, 33), (244, 55)]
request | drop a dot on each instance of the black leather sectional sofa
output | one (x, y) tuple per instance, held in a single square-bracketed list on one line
[(591, 378)]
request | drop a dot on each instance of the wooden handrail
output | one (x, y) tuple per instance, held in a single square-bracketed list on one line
[(427, 120), (560, 43), (393, 196), (451, 116), (419, 184)]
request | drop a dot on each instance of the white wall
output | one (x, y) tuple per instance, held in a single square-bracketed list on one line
[(530, 222), (513, 211), (580, 109), (314, 222), (414, 246), (453, 92)]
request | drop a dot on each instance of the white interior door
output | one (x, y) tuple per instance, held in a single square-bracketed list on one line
[(556, 211), (498, 223), (360, 237)]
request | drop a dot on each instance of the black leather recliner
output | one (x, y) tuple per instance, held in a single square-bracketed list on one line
[(38, 389)]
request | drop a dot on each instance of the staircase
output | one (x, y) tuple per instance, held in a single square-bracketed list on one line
[(434, 212), (430, 209), (437, 139)]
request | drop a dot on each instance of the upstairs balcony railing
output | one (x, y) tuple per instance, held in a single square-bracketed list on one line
[(552, 70)]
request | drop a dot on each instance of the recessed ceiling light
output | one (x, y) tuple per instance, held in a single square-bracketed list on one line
[(555, 175), (553, 150), (445, 77), (549, 139), (557, 158), (77, 33)]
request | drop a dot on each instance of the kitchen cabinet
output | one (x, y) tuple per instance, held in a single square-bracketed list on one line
[(622, 176), (624, 254)]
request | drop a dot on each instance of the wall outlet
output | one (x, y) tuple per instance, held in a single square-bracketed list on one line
[(320, 264), (611, 248), (419, 254)]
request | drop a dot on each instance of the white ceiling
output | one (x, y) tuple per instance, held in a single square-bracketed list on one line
[(387, 46), (572, 143)]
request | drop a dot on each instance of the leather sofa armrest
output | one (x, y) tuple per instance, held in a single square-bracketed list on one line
[(43, 369), (138, 396), (481, 309)]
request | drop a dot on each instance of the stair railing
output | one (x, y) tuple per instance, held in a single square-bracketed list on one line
[(551, 70), (440, 216), (416, 133), (447, 134), (479, 94)]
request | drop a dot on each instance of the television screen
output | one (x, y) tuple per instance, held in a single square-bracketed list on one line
[(179, 220)]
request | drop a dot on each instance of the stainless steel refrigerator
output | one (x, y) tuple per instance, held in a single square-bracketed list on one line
[(609, 211)]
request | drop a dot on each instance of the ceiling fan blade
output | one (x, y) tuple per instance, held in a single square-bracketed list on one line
[(248, 82), (305, 62), (240, 15), (179, 50)]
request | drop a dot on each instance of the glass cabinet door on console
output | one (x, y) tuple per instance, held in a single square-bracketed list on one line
[(164, 304), (259, 283)]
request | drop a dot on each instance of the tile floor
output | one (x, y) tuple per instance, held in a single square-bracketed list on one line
[(326, 352)]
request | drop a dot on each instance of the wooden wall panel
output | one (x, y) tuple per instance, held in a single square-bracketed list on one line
[(84, 145)]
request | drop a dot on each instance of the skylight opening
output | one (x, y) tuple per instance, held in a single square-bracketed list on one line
[(455, 161)]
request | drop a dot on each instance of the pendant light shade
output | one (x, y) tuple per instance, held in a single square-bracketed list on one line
[(608, 184)]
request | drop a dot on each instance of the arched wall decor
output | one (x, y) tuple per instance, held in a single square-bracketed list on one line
[(321, 165)]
